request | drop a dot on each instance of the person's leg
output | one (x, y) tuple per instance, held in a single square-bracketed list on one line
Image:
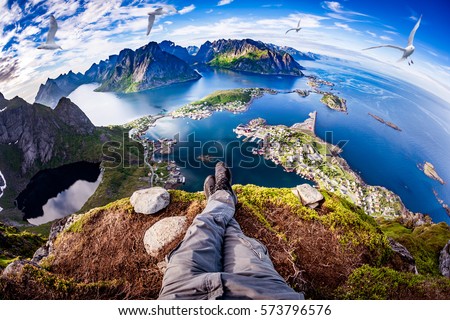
[(194, 267), (248, 270)]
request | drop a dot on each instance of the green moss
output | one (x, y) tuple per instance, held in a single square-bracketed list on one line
[(384, 283), (424, 242), (66, 287), (4, 261), (183, 196), (17, 244), (123, 205)]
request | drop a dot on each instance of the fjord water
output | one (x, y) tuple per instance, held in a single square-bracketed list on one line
[(381, 155)]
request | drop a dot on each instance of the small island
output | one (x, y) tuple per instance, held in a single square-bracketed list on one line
[(234, 100), (430, 171), (389, 124), (441, 202), (334, 102), (315, 82), (302, 93)]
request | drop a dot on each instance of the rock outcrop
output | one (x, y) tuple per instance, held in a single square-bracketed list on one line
[(308, 195), (403, 260), (57, 227), (249, 56), (150, 201), (15, 268), (34, 129), (162, 233), (444, 261)]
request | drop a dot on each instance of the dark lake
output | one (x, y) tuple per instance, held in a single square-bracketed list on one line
[(55, 193)]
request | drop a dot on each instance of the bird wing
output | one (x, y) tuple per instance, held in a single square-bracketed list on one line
[(413, 31), (52, 30), (290, 30), (151, 19), (298, 25), (159, 11), (388, 46)]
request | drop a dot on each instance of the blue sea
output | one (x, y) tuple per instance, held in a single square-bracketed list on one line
[(381, 155)]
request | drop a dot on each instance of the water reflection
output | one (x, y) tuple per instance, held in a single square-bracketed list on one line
[(68, 201)]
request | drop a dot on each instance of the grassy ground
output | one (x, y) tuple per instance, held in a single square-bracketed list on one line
[(333, 252)]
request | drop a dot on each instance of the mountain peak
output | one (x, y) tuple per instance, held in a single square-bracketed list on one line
[(73, 116), (248, 55)]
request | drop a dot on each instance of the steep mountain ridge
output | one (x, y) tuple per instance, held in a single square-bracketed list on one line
[(155, 65), (249, 56), (34, 129), (130, 71), (147, 67), (54, 89)]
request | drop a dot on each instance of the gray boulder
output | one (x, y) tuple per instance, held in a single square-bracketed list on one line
[(150, 201), (162, 233), (308, 195), (444, 261), (15, 268)]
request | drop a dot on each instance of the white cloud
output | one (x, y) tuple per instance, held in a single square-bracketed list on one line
[(345, 27), (333, 6), (186, 9), (338, 8), (168, 22), (385, 38), (272, 5), (373, 34), (209, 11), (224, 2)]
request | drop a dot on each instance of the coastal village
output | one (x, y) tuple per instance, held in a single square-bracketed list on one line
[(299, 150), (163, 171)]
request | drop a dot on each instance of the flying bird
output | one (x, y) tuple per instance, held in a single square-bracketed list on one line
[(50, 43), (296, 29), (151, 18), (408, 51)]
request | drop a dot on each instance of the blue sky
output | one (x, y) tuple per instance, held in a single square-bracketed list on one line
[(92, 30)]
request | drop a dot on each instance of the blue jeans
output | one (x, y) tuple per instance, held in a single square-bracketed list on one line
[(216, 260)]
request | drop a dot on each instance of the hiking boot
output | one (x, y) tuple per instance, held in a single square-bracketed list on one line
[(223, 179), (209, 186)]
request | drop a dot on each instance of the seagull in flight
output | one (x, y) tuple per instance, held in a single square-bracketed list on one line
[(409, 48), (151, 18), (50, 43), (296, 29)]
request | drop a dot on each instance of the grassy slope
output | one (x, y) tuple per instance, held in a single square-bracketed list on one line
[(334, 252), (424, 242), (225, 96)]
